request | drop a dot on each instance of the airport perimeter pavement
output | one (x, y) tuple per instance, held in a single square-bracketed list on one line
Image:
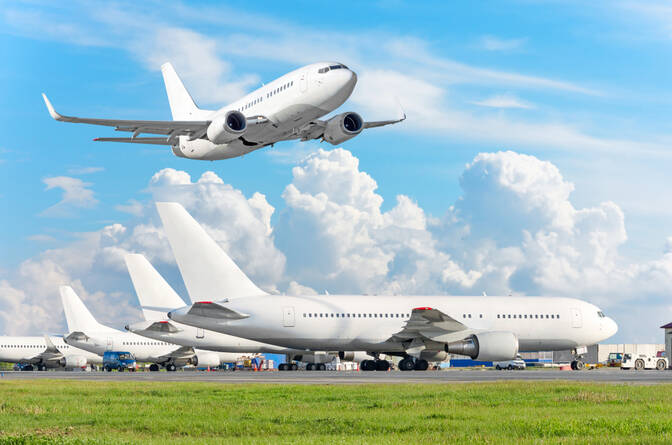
[(359, 377)]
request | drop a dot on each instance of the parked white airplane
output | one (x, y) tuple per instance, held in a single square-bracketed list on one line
[(284, 109), (419, 328), (157, 298), (44, 352), (86, 333)]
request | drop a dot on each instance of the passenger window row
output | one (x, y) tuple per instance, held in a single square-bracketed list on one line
[(142, 343), (279, 89), (31, 346), (469, 315), (358, 315), (531, 316)]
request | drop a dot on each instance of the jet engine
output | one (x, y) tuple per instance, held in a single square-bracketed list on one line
[(354, 356), (205, 360), (487, 346), (226, 128), (73, 361), (342, 127)]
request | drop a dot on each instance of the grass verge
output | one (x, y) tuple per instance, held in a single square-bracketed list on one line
[(158, 412)]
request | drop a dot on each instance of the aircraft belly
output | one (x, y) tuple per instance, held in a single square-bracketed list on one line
[(549, 344)]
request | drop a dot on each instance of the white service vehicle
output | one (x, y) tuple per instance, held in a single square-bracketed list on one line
[(516, 363), (643, 361)]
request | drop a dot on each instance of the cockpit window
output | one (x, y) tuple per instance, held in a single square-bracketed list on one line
[(332, 67), (323, 70), (600, 314)]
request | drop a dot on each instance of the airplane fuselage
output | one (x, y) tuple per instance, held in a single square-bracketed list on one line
[(23, 349), (355, 322), (289, 102)]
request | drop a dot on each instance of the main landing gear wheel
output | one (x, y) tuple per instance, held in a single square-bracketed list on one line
[(294, 367), (309, 367), (407, 364), (321, 367), (170, 367), (367, 365), (578, 365), (154, 367), (382, 365), (421, 365), (41, 367), (282, 367)]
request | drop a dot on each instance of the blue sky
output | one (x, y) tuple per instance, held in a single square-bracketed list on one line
[(585, 88)]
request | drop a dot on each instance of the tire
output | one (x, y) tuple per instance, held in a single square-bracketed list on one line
[(660, 365), (321, 367), (282, 367), (510, 367), (407, 364), (367, 365), (120, 369), (639, 364), (382, 365), (294, 367), (154, 367), (421, 365), (498, 368), (108, 369), (580, 365), (309, 367), (573, 365), (171, 368)]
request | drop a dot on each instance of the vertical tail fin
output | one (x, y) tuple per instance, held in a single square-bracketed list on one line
[(181, 104), (206, 269), (156, 296), (78, 317)]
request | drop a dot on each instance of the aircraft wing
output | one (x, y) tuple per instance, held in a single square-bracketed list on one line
[(179, 354), (429, 328), (375, 124), (172, 129), (315, 129)]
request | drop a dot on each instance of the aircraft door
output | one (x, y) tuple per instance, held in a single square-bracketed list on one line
[(200, 332), (288, 316), (576, 317), (303, 82)]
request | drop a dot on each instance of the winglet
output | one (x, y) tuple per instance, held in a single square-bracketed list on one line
[(50, 107)]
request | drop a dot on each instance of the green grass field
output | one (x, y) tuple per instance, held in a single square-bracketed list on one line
[(521, 412)]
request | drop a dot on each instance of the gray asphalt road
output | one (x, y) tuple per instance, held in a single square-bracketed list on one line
[(353, 377)]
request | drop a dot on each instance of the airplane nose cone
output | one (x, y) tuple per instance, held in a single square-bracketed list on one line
[(612, 327)]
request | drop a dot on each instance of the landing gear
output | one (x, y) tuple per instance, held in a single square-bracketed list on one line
[(421, 365), (153, 367), (407, 364), (282, 367), (367, 365), (294, 367), (41, 367), (578, 365), (382, 365), (170, 367), (309, 367)]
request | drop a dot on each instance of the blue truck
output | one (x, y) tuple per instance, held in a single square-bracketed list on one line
[(119, 361)]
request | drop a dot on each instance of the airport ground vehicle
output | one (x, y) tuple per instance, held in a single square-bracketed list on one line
[(643, 361), (615, 359), (119, 361), (516, 363)]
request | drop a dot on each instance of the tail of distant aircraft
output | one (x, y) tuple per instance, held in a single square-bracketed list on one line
[(78, 317), (181, 104), (206, 269), (156, 296)]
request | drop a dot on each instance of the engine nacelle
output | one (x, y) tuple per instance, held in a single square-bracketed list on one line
[(354, 356), (226, 128), (206, 360), (342, 127), (486, 346), (434, 356), (73, 361)]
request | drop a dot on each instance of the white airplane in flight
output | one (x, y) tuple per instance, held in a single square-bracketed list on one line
[(417, 328), (86, 333), (44, 352), (285, 109)]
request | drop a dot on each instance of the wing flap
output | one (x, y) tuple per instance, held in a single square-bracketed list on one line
[(151, 141), (429, 328)]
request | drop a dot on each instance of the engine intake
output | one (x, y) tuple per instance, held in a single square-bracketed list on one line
[(226, 128), (487, 346), (342, 127), (206, 360)]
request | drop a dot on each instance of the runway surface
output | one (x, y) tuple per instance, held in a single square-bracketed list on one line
[(359, 377)]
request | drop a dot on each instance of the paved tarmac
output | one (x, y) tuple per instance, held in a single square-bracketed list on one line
[(359, 377)]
